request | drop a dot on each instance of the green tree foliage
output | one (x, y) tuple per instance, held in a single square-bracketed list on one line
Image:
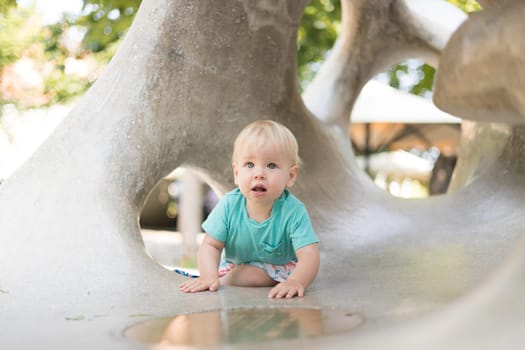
[(20, 42), (468, 6), (18, 30), (319, 28), (106, 21), (49, 51), (5, 5), (419, 75)]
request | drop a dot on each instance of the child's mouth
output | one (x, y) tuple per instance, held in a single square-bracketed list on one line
[(259, 188)]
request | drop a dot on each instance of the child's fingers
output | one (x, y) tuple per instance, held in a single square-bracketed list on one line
[(274, 291), (197, 285), (214, 286), (190, 286), (279, 291), (284, 291), (184, 285), (295, 292)]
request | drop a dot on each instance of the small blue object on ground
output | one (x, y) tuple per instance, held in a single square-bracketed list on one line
[(184, 273)]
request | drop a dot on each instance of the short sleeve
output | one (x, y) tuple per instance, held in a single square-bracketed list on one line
[(216, 224), (301, 231)]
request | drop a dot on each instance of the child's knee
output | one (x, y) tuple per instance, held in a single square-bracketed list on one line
[(248, 276)]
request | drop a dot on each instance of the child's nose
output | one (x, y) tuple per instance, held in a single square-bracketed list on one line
[(259, 173)]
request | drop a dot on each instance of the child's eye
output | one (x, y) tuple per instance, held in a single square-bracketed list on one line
[(249, 165), (272, 166)]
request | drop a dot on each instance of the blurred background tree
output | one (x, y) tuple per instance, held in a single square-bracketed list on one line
[(5, 5), (105, 22), (46, 64), (319, 29)]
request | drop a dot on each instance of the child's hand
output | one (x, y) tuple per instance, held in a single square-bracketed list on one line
[(200, 284), (287, 289)]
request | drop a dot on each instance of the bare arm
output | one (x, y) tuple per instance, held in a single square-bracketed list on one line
[(303, 274), (208, 261)]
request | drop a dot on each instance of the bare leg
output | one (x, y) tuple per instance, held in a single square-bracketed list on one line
[(247, 276)]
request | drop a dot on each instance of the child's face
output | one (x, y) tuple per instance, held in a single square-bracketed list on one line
[(263, 173)]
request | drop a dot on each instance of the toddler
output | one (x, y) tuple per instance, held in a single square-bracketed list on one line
[(265, 231)]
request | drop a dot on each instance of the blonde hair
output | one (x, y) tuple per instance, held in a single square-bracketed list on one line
[(263, 132)]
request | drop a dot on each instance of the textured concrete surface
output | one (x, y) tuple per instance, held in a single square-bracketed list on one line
[(446, 272), (485, 64)]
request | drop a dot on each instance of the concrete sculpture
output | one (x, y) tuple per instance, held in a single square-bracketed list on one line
[(446, 272)]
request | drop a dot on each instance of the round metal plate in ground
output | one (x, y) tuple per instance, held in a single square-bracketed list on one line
[(242, 326)]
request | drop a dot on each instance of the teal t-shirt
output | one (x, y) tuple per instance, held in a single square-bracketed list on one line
[(272, 241)]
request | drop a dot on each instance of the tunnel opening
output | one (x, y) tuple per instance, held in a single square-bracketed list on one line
[(171, 218)]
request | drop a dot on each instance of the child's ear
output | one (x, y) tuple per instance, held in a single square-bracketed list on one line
[(292, 176), (235, 172)]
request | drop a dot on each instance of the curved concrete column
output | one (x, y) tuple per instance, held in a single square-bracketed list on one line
[(482, 144), (188, 77), (481, 74)]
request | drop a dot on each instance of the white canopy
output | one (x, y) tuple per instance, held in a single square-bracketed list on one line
[(380, 103)]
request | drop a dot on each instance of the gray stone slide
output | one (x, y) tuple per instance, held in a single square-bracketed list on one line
[(440, 273)]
